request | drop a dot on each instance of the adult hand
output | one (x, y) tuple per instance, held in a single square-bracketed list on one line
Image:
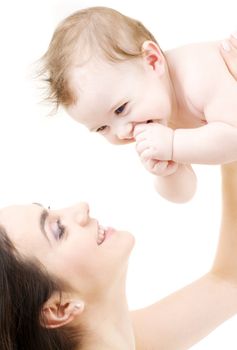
[(229, 54)]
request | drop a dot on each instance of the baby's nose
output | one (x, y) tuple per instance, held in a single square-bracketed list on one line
[(125, 131), (82, 214)]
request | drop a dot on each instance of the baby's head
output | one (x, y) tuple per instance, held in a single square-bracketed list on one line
[(108, 72)]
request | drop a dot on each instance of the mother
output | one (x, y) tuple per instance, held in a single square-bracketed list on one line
[(62, 282)]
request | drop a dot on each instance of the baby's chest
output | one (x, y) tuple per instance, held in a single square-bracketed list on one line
[(215, 97), (223, 107), (189, 117)]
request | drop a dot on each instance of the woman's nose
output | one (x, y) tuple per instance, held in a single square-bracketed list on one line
[(82, 214)]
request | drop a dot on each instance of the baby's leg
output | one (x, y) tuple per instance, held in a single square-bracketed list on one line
[(178, 187)]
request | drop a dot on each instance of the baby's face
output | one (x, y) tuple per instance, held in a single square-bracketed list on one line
[(113, 98)]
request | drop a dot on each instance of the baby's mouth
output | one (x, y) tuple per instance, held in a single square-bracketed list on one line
[(132, 138)]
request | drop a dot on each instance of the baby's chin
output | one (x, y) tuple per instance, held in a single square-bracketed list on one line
[(130, 140)]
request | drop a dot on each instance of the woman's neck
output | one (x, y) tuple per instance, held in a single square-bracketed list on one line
[(108, 324)]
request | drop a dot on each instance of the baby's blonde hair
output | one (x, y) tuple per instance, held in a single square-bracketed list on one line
[(86, 33)]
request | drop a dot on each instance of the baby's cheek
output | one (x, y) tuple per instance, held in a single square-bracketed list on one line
[(108, 138), (114, 140), (142, 118)]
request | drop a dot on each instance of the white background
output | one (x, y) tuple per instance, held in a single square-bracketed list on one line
[(55, 161)]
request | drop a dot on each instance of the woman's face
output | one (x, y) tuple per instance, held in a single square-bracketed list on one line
[(70, 244)]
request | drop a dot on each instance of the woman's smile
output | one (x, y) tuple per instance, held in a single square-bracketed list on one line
[(104, 233)]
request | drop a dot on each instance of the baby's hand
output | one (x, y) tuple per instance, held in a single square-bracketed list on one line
[(154, 141), (160, 167)]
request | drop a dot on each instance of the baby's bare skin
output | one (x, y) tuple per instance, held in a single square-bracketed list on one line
[(206, 94), (189, 95), (179, 107), (206, 116)]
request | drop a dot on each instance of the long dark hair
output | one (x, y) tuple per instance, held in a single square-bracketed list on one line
[(24, 287)]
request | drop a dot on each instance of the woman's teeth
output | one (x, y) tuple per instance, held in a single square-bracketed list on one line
[(101, 234)]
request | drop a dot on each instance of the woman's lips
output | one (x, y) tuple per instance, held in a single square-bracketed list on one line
[(104, 233), (110, 231)]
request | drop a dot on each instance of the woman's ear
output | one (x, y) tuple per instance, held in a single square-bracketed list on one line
[(59, 311), (153, 56)]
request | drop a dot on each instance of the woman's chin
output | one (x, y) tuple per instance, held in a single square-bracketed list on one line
[(129, 239)]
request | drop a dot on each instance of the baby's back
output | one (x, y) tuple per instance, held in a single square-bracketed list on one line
[(197, 72)]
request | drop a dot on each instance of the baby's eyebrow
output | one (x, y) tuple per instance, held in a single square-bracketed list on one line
[(116, 105)]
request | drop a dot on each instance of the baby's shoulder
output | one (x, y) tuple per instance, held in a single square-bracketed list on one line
[(197, 68), (193, 55)]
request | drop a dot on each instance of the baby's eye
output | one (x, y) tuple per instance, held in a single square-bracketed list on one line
[(120, 109), (58, 229), (102, 128)]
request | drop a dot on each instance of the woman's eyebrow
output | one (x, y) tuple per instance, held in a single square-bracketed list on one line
[(43, 216), (39, 204)]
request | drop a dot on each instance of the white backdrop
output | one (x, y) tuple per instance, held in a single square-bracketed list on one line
[(55, 161)]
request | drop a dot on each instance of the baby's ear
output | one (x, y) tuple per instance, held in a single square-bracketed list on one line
[(58, 312), (153, 56)]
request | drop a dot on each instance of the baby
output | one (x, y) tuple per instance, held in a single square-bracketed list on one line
[(179, 107)]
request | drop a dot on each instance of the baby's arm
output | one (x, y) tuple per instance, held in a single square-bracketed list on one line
[(213, 143), (216, 142), (185, 317), (174, 182), (178, 187)]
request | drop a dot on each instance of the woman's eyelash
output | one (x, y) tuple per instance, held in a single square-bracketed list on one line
[(61, 229), (120, 109)]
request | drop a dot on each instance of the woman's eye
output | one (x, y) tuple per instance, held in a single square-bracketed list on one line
[(58, 230), (102, 128), (120, 109)]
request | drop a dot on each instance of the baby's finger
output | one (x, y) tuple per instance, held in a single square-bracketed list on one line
[(141, 146), (148, 153), (160, 167), (171, 167), (156, 167), (149, 164), (141, 137), (139, 129)]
